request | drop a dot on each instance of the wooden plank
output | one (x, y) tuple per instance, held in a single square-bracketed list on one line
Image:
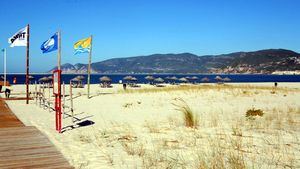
[(7, 118), (26, 147)]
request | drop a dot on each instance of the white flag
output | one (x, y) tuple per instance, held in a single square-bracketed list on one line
[(19, 38)]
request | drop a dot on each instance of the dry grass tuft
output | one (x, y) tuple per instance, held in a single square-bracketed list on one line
[(206, 87), (236, 130), (190, 118), (133, 148), (254, 112), (84, 138), (153, 127)]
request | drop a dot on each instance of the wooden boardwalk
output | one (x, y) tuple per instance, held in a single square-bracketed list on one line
[(24, 146), (7, 118)]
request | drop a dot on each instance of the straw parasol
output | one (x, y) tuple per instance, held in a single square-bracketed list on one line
[(226, 79), (183, 79), (80, 77), (128, 78), (174, 78), (105, 79), (150, 78), (75, 79), (44, 79), (30, 77), (134, 79), (159, 80), (205, 79), (194, 78), (218, 78), (50, 78), (168, 78)]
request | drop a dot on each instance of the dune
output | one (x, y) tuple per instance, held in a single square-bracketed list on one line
[(145, 128)]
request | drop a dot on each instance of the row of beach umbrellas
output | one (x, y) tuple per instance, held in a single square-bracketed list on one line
[(149, 78)]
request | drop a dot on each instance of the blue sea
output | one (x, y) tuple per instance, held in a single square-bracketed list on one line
[(141, 77)]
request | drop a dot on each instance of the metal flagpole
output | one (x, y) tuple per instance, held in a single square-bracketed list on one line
[(89, 67), (27, 67), (59, 51), (4, 67)]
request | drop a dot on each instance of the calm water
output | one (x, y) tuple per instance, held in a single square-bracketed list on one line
[(141, 77)]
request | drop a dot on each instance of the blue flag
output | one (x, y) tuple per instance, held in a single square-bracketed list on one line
[(50, 44)]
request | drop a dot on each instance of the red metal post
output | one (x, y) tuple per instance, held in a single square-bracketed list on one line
[(58, 121)]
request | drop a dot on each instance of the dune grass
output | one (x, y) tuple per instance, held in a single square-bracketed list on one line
[(189, 87), (190, 118)]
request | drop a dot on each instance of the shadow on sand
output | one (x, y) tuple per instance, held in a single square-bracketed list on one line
[(77, 125)]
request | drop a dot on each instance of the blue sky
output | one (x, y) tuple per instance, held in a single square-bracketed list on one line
[(124, 28)]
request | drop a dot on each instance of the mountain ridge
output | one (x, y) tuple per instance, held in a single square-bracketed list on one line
[(265, 61)]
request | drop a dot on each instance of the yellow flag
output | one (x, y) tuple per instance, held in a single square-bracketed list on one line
[(83, 45)]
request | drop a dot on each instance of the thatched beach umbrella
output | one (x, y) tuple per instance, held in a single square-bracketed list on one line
[(76, 82), (44, 79), (205, 79), (150, 78), (168, 78), (105, 79), (75, 79), (159, 80), (30, 78), (184, 80), (194, 78), (134, 79), (128, 78), (80, 77), (218, 78), (50, 78), (174, 78), (226, 79)]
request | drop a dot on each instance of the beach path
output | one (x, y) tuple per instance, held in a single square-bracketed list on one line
[(25, 146), (7, 118)]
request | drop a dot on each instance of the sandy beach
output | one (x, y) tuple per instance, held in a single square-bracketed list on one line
[(145, 127)]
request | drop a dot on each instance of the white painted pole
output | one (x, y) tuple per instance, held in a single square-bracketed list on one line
[(4, 67)]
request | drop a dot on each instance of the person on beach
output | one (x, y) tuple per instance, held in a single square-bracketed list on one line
[(15, 80), (124, 86), (7, 91)]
